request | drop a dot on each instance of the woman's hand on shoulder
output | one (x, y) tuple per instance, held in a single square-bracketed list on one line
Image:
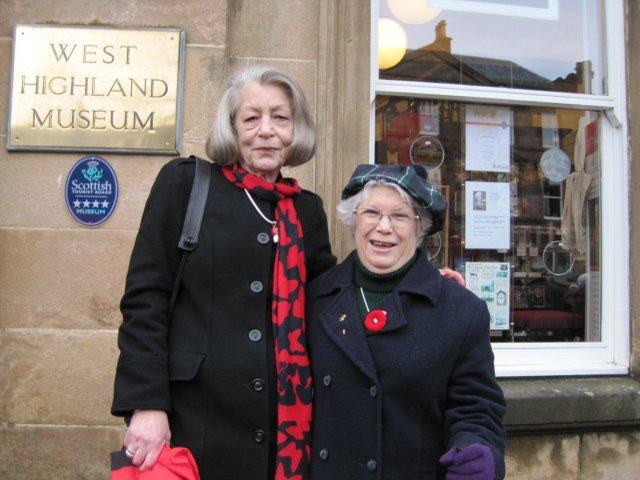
[(453, 275), (147, 433)]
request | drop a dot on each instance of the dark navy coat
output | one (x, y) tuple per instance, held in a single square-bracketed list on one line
[(388, 405), (212, 366)]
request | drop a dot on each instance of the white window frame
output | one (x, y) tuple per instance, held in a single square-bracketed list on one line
[(611, 355)]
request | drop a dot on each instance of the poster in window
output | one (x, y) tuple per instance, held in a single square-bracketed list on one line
[(488, 215), (487, 138), (490, 281)]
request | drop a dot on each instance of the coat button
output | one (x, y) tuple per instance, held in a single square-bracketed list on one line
[(326, 380), (255, 335), (263, 238), (258, 436), (256, 287), (373, 391), (323, 454), (257, 384), (372, 465)]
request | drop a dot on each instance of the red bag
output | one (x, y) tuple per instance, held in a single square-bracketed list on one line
[(173, 464)]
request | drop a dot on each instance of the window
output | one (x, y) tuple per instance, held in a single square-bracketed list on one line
[(512, 107), (538, 45)]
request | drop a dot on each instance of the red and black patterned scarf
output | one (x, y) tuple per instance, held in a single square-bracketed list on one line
[(294, 381)]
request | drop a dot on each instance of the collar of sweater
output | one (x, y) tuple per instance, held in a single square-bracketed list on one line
[(380, 282), (376, 286)]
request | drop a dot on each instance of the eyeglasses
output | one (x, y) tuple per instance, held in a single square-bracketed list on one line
[(399, 219)]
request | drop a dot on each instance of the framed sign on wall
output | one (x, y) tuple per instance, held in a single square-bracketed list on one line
[(94, 88)]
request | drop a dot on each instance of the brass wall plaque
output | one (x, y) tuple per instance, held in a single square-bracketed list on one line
[(99, 89)]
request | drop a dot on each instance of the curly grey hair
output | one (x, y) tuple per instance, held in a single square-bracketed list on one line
[(222, 144), (346, 207)]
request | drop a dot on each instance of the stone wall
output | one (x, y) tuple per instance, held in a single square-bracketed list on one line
[(588, 456)]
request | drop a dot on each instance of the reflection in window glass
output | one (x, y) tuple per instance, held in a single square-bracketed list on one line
[(530, 44), (523, 223)]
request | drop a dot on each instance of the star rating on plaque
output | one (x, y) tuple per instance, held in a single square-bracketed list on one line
[(89, 203)]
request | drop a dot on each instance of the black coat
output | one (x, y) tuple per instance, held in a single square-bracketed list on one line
[(213, 367), (388, 405)]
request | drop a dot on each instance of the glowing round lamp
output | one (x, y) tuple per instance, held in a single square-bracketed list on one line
[(392, 43), (413, 11)]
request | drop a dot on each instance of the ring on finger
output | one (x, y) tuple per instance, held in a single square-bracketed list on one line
[(128, 452)]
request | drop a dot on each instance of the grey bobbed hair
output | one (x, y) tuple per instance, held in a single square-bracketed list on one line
[(222, 144)]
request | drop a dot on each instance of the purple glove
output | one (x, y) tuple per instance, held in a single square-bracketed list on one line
[(473, 462)]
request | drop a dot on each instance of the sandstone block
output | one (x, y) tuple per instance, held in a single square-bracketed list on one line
[(62, 377), (61, 453), (205, 82), (542, 457), (286, 29), (205, 21), (610, 456), (62, 278)]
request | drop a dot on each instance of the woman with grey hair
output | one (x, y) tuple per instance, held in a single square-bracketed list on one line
[(405, 382), (227, 375)]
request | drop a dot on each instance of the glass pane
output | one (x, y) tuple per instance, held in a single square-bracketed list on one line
[(523, 223), (532, 44)]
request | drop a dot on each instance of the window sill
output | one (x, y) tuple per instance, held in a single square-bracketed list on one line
[(563, 405)]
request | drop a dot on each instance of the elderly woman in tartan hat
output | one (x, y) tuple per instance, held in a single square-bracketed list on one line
[(405, 383)]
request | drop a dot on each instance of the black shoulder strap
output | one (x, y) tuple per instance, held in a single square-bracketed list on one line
[(195, 208), (192, 220)]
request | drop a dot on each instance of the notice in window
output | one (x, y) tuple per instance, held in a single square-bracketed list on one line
[(487, 215), (487, 138), (490, 282)]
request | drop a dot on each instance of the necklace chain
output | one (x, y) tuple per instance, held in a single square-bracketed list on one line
[(273, 223), (364, 299), (264, 217)]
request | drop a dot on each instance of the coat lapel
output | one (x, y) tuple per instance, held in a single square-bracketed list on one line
[(341, 319), (422, 279)]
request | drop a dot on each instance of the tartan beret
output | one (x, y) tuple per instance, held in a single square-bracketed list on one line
[(411, 178)]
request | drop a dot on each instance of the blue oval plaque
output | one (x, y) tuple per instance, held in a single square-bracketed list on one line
[(91, 191)]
